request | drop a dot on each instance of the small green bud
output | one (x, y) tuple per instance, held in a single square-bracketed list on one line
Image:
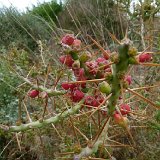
[(132, 60), (114, 57), (108, 76), (132, 51), (74, 55), (85, 56), (104, 87), (76, 64)]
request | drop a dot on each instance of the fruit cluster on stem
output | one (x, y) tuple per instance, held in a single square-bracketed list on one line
[(86, 67)]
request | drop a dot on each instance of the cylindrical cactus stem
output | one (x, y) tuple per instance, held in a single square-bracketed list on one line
[(40, 124), (118, 69)]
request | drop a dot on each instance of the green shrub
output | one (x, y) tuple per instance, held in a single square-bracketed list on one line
[(21, 29), (47, 11)]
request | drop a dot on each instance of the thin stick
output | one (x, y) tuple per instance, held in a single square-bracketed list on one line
[(56, 131), (108, 153), (145, 99), (18, 142), (84, 136), (114, 38), (99, 133), (30, 71), (75, 133), (146, 50), (93, 119), (28, 116), (149, 64), (99, 46), (112, 145), (92, 80), (65, 153), (46, 75), (88, 46), (45, 108), (146, 87), (97, 159), (115, 142), (127, 128), (6, 146), (41, 51)]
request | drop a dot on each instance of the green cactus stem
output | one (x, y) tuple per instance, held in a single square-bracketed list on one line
[(93, 148), (40, 124), (118, 69), (50, 92)]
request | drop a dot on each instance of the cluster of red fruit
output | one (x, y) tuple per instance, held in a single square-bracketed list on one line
[(85, 68), (76, 95)]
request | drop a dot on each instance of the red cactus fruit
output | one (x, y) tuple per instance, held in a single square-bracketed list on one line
[(120, 120), (68, 86), (108, 69), (120, 98), (77, 95), (33, 93), (128, 78), (82, 78), (77, 43), (100, 60), (92, 67), (65, 86), (145, 57), (73, 86), (99, 98), (95, 103), (91, 101), (117, 118), (81, 72), (103, 112), (67, 60), (68, 39), (125, 109), (78, 72)]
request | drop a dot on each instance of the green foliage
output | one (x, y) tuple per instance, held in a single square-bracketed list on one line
[(157, 116), (20, 29), (8, 101), (147, 9), (47, 11)]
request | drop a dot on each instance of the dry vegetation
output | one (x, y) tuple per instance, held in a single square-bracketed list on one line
[(25, 68)]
